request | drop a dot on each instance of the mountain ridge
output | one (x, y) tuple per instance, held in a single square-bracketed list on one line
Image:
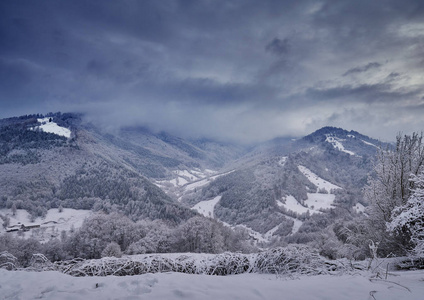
[(143, 174)]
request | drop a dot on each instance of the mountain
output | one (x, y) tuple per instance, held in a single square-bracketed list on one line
[(289, 189), (41, 168), (284, 190)]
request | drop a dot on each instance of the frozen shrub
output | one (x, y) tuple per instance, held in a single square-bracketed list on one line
[(8, 261), (112, 249)]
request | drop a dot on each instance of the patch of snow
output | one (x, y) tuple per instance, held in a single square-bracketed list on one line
[(52, 127), (203, 182), (196, 184), (317, 201), (316, 180), (179, 181), (269, 233), (370, 144), (402, 285), (359, 208), (351, 136), (187, 174), (283, 160), (292, 204), (182, 181), (221, 174), (258, 237), (336, 142), (206, 208), (296, 225)]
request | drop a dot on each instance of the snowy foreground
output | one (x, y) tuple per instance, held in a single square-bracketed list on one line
[(55, 285)]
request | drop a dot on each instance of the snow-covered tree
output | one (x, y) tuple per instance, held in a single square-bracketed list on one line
[(390, 188), (410, 216), (112, 249)]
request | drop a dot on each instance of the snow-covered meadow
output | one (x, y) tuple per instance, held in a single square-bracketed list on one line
[(54, 285), (47, 125), (55, 221)]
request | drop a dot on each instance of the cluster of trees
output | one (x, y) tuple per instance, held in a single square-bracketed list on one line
[(395, 193), (114, 234), (18, 144)]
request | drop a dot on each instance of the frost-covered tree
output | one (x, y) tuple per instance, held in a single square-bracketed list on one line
[(390, 188), (199, 234), (112, 249), (410, 216)]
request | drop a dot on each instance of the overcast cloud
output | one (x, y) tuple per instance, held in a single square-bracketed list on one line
[(233, 70)]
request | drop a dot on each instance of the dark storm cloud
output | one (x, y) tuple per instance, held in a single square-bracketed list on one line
[(366, 93), (244, 70), (369, 66)]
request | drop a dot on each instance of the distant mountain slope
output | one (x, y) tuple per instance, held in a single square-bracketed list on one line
[(40, 170), (280, 180)]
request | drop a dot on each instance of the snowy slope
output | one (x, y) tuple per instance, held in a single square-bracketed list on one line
[(318, 201), (52, 127), (336, 142), (290, 203), (316, 180), (206, 207), (55, 285)]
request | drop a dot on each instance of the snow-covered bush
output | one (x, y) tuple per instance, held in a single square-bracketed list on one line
[(291, 261), (40, 263), (8, 261), (294, 259)]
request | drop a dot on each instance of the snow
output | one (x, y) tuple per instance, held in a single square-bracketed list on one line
[(370, 144), (52, 127), (269, 233), (203, 182), (179, 181), (292, 204), (318, 201), (296, 225), (54, 285), (187, 174), (51, 226), (258, 237), (336, 142), (196, 184), (351, 136), (359, 208), (206, 207), (283, 160), (316, 180)]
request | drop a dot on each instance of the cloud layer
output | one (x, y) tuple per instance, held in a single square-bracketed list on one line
[(233, 70)]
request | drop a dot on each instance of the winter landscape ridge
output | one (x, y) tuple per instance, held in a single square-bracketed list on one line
[(71, 189)]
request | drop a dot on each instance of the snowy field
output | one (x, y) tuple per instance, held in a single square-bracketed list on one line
[(54, 285), (52, 127), (207, 207), (50, 226), (316, 180)]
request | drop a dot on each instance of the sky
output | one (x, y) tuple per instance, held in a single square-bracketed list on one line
[(235, 70)]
